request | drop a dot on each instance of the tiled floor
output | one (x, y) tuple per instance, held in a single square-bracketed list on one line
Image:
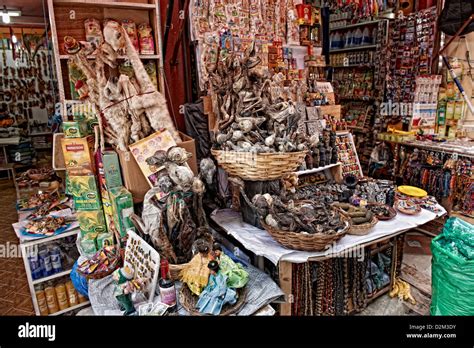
[(15, 298)]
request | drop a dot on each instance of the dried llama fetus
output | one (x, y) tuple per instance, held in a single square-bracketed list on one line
[(150, 100)]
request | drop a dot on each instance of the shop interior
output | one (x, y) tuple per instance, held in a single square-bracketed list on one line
[(233, 157)]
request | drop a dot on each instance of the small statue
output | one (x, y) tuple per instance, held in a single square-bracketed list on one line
[(196, 274), (121, 276), (237, 276), (216, 294)]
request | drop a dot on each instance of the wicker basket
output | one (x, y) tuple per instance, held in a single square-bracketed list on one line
[(306, 241), (363, 229), (99, 275), (188, 300), (258, 166)]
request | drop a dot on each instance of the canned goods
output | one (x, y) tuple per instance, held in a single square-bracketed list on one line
[(61, 295), (35, 266), (55, 253), (41, 299), (72, 294), (45, 261), (51, 300)]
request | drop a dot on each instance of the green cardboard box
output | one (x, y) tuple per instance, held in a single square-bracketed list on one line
[(75, 129), (85, 193), (91, 222), (122, 203), (111, 166)]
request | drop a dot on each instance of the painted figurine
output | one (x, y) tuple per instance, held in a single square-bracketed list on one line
[(216, 294), (237, 276)]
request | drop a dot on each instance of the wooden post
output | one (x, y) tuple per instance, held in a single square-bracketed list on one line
[(285, 275)]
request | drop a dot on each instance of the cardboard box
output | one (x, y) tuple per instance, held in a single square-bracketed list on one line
[(122, 203), (75, 129), (85, 193), (79, 155), (91, 222), (111, 168), (108, 168), (134, 179)]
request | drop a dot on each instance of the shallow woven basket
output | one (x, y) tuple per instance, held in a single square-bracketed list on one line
[(99, 275), (306, 241), (258, 166), (363, 229), (188, 300)]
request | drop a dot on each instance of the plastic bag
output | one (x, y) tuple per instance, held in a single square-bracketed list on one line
[(456, 228), (79, 282), (452, 280)]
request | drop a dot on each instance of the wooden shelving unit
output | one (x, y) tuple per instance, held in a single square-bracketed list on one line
[(67, 19)]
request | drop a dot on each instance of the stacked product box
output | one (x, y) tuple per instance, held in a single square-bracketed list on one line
[(82, 186), (116, 199)]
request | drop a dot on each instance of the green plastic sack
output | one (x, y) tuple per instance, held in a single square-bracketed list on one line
[(452, 280), (456, 228)]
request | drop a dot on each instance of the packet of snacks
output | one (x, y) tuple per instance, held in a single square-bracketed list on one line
[(93, 32), (131, 29), (147, 45)]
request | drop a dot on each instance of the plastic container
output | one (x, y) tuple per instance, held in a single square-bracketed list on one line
[(51, 299), (62, 296), (41, 299)]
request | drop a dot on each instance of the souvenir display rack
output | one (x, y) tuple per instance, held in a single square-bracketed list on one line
[(451, 163)]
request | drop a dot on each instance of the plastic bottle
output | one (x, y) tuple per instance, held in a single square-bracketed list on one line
[(349, 38), (357, 37), (337, 41), (366, 36)]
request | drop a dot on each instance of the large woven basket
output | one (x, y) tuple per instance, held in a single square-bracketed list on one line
[(188, 300), (306, 241), (258, 166)]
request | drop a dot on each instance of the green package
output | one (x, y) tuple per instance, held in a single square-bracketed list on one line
[(122, 203), (104, 239), (111, 167), (84, 191), (75, 129), (91, 221), (88, 244)]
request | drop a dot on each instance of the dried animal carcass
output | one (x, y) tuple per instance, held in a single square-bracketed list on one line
[(251, 116)]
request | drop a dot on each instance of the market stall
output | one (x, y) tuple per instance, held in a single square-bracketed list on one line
[(293, 185)]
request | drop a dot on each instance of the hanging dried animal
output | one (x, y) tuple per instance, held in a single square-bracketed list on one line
[(148, 100)]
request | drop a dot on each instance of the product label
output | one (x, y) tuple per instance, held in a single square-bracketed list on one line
[(168, 295)]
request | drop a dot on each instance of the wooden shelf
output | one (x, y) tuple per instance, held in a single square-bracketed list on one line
[(316, 170), (354, 66), (106, 4), (142, 56), (37, 134), (54, 276), (80, 305), (357, 48)]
